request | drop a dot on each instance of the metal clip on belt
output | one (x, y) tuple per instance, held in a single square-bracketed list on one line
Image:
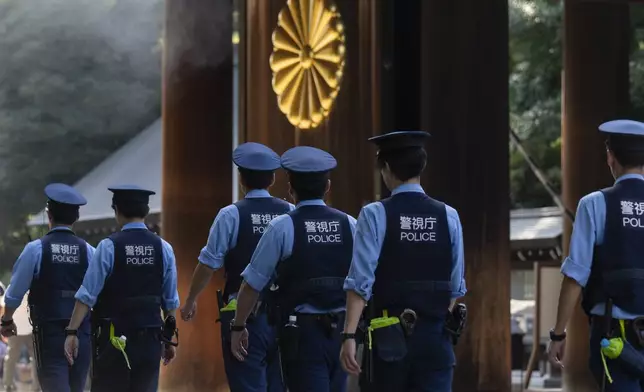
[(408, 319)]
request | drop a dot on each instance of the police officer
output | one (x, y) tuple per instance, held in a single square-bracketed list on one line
[(231, 242), (52, 269), (131, 279), (409, 247), (309, 249), (605, 259)]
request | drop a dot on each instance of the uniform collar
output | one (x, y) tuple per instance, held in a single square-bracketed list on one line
[(134, 225), (257, 193), (408, 188), (629, 177), (312, 202), (61, 228)]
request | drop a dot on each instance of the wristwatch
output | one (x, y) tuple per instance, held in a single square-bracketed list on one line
[(71, 332), (5, 323), (347, 336), (557, 338), (236, 328)]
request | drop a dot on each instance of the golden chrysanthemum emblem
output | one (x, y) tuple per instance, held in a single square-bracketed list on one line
[(307, 60)]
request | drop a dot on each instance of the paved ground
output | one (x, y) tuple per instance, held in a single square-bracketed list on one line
[(536, 384)]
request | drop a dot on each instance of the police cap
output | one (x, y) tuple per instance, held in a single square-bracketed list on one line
[(400, 139), (130, 194), (624, 135), (255, 156), (64, 194), (305, 159)]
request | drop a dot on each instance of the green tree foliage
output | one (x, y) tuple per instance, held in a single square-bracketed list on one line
[(535, 92), (78, 78), (535, 97)]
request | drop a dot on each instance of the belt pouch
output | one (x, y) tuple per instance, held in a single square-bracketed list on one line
[(388, 339)]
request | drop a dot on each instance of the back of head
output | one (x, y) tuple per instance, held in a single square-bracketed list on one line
[(256, 164), (63, 203), (403, 152), (308, 171), (131, 201)]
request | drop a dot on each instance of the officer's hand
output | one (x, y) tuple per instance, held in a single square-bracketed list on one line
[(71, 348), (556, 352), (348, 357), (9, 330), (169, 352), (239, 344), (188, 311)]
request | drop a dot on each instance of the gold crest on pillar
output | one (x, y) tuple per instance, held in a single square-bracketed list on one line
[(307, 60)]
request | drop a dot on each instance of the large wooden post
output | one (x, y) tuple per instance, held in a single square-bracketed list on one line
[(197, 141), (596, 85), (465, 108)]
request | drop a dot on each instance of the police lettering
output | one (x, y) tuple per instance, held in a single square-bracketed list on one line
[(412, 236), (65, 253), (324, 238), (259, 229), (417, 228), (139, 260), (323, 231), (66, 259), (632, 222)]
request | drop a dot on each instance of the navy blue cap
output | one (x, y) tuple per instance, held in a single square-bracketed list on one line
[(64, 194), (305, 159), (255, 156), (624, 135), (130, 194), (623, 127), (400, 139)]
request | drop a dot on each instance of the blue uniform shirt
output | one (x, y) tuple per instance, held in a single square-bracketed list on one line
[(370, 235), (100, 268), (276, 245), (588, 231), (223, 232), (27, 267)]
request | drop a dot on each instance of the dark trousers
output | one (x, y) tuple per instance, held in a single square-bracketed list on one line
[(54, 373), (428, 365), (622, 381), (260, 372), (317, 366), (110, 371)]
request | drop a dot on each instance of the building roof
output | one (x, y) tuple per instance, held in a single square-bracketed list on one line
[(137, 162), (536, 227)]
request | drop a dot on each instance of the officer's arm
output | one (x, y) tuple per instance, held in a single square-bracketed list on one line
[(170, 298), (367, 243), (98, 269), (22, 276), (220, 240), (576, 267), (458, 258), (272, 247)]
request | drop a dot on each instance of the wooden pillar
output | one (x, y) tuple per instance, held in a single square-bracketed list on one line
[(355, 113), (465, 107), (596, 85), (197, 141)]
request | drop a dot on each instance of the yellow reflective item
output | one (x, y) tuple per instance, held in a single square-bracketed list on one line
[(231, 307), (119, 344), (613, 349), (381, 322)]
